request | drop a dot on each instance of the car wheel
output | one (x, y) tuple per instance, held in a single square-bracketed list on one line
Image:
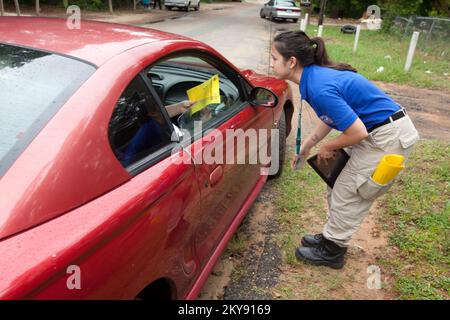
[(261, 14), (295, 20), (197, 7), (282, 144), (188, 6)]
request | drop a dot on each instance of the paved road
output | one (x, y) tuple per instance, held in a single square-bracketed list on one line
[(236, 31)]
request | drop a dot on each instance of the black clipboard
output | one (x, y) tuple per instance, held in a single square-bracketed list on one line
[(329, 170)]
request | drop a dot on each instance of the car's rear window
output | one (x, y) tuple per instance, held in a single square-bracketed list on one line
[(33, 87), (286, 4)]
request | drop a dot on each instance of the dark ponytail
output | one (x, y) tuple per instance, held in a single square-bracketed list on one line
[(307, 51)]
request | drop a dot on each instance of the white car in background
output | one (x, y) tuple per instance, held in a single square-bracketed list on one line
[(182, 4), (280, 9)]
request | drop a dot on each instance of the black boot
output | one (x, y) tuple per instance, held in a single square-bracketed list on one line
[(327, 253), (310, 240)]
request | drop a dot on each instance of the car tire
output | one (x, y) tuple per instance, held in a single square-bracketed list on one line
[(197, 8), (295, 20), (282, 144), (261, 13), (187, 7), (348, 29)]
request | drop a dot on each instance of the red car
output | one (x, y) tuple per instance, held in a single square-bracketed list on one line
[(95, 200)]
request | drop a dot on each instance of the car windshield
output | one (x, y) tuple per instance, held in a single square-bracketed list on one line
[(285, 4), (33, 86)]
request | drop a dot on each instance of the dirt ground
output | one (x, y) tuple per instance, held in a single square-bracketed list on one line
[(429, 109)]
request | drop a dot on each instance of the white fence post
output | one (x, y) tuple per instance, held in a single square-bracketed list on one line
[(320, 31), (358, 30), (306, 20), (16, 5), (412, 48), (303, 25)]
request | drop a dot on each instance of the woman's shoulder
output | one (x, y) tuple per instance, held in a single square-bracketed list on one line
[(322, 77)]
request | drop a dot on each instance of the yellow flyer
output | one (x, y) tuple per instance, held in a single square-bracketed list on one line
[(204, 94)]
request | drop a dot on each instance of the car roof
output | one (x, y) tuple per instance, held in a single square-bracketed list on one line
[(95, 42)]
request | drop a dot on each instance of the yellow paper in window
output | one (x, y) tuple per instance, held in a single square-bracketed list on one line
[(204, 94)]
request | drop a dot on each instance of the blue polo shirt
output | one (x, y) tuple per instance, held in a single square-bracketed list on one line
[(340, 97)]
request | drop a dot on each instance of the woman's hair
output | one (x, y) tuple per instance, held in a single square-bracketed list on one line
[(307, 51)]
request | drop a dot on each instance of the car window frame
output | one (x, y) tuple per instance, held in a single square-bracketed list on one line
[(157, 155), (242, 84), (234, 76)]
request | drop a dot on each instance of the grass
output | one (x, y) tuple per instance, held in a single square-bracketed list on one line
[(298, 191), (373, 49), (303, 287), (415, 213), (419, 225)]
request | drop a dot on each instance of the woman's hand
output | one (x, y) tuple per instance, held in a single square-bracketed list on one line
[(299, 160), (325, 154)]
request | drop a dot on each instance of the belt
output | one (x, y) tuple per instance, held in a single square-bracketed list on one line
[(398, 115)]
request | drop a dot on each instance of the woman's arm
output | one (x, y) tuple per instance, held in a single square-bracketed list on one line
[(351, 136), (320, 132)]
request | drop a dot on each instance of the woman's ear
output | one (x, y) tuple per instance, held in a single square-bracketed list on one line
[(292, 62)]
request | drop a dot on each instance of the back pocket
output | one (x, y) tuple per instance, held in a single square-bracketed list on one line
[(407, 141)]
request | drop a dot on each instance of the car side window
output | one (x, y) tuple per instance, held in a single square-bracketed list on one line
[(137, 127), (173, 77)]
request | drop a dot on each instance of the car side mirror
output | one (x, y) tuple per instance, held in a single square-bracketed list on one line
[(262, 97)]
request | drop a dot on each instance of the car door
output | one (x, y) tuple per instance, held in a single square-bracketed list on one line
[(264, 8), (271, 7), (267, 7), (224, 185), (163, 185)]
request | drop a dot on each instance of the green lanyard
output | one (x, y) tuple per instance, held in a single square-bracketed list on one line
[(298, 141)]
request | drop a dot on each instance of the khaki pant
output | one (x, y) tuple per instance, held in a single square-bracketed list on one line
[(354, 192)]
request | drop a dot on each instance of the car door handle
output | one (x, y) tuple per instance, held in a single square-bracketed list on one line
[(216, 175)]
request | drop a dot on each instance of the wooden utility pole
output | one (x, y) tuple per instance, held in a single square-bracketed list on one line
[(16, 4), (323, 4), (37, 8), (110, 6), (2, 9)]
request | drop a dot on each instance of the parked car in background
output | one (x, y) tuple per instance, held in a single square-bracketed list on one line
[(281, 10), (305, 3), (182, 4), (99, 197)]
